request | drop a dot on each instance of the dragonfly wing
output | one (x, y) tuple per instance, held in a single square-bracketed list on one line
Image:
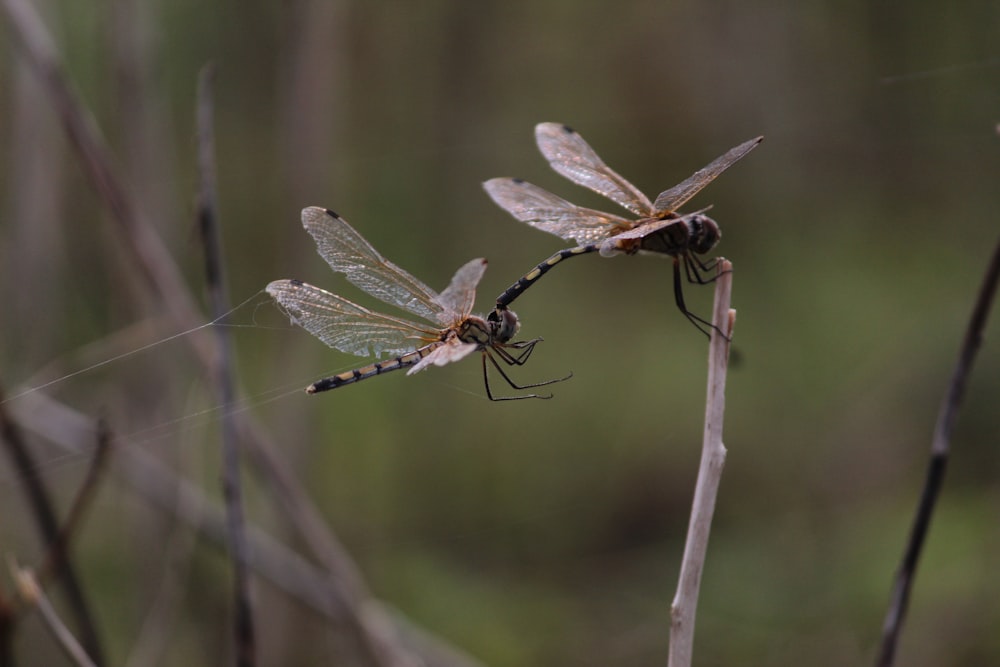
[(573, 158), (457, 299), (346, 326), (452, 350), (677, 196), (543, 210), (349, 253)]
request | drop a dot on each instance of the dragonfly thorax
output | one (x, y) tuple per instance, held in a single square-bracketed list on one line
[(695, 233), (473, 330)]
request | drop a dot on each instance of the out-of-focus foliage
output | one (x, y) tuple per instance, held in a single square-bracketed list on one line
[(538, 532)]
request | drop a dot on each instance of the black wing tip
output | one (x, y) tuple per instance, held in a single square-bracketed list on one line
[(495, 182), (331, 212), (562, 126), (296, 282), (748, 146)]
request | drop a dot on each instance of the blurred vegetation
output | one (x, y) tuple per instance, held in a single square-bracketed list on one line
[(536, 532)]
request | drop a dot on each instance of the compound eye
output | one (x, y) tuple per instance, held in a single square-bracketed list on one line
[(708, 234), (508, 324)]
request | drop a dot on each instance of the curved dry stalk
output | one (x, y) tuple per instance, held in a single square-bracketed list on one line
[(940, 449), (713, 458)]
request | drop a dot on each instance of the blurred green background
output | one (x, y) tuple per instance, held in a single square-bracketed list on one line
[(535, 532)]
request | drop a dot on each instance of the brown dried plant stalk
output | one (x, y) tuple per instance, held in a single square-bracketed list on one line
[(713, 459), (940, 449)]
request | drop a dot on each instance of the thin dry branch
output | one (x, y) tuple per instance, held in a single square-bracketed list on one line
[(8, 619), (44, 513), (58, 553), (223, 372), (713, 458), (32, 594), (940, 450)]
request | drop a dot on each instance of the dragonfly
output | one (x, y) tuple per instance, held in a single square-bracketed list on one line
[(351, 328), (656, 227)]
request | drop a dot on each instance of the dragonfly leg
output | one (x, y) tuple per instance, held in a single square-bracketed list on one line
[(486, 379), (695, 269), (698, 322), (526, 347)]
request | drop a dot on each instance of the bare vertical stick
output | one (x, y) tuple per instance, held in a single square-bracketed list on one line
[(940, 448), (713, 458), (216, 283)]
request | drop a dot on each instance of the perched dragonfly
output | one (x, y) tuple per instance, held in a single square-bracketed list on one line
[(657, 227), (351, 328)]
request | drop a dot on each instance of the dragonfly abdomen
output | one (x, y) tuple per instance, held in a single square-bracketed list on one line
[(371, 370), (528, 279)]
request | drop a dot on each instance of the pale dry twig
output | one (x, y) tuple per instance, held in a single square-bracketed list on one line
[(713, 458)]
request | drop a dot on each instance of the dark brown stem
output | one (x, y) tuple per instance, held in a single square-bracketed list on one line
[(8, 617), (940, 449), (223, 375), (48, 525), (57, 557)]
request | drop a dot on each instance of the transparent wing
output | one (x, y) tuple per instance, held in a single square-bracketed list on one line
[(349, 253), (457, 299), (544, 210), (346, 326), (573, 157), (677, 196), (453, 350)]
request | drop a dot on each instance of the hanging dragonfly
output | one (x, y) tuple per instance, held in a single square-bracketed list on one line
[(351, 328), (657, 227)]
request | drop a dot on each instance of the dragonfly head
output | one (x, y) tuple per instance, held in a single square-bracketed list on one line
[(504, 324), (705, 233)]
